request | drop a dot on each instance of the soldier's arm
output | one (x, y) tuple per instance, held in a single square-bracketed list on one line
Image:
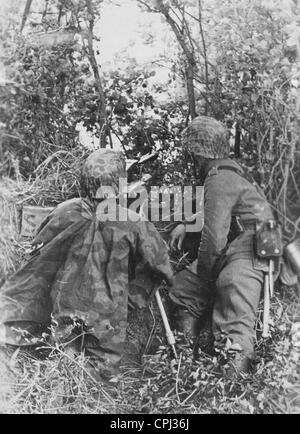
[(220, 196), (152, 248), (177, 230)]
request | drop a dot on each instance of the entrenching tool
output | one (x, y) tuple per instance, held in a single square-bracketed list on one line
[(132, 188), (267, 298), (169, 334), (268, 294), (269, 248)]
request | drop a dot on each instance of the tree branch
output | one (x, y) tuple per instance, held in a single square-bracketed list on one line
[(25, 14), (191, 63), (93, 62), (204, 46), (155, 11)]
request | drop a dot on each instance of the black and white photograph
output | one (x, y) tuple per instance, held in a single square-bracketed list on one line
[(149, 210)]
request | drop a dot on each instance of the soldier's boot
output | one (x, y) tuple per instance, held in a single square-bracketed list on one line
[(233, 360), (186, 323), (239, 364)]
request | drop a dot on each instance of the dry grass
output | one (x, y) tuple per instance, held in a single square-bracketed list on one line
[(57, 179), (12, 195)]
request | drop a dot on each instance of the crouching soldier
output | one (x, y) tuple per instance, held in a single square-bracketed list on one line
[(80, 270), (227, 277)]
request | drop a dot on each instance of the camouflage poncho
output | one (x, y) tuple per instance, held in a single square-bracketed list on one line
[(82, 272)]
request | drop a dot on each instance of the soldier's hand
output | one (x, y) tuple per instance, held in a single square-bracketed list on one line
[(177, 236)]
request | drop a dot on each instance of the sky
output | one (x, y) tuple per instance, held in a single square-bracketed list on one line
[(121, 28)]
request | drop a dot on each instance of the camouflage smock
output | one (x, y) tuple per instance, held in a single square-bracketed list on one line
[(82, 271)]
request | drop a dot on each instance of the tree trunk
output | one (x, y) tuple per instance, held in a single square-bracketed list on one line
[(102, 109), (25, 14), (204, 51), (191, 90), (237, 141), (191, 63), (102, 118)]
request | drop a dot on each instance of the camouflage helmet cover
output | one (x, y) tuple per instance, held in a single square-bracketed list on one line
[(103, 167), (206, 137)]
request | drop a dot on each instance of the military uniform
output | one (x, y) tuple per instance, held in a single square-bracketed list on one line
[(224, 277), (81, 271)]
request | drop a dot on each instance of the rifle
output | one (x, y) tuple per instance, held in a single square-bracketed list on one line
[(132, 188), (169, 334), (268, 247)]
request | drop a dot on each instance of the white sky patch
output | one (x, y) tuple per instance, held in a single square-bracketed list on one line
[(88, 139), (122, 30), (123, 33)]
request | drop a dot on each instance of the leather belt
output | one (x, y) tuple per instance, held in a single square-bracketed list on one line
[(249, 225)]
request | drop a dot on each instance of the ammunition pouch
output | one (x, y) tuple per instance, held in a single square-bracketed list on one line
[(262, 264), (267, 245), (267, 240)]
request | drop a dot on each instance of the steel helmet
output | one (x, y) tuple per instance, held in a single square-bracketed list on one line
[(103, 167), (206, 137)]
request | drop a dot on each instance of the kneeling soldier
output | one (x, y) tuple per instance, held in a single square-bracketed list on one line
[(80, 270), (227, 276)]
